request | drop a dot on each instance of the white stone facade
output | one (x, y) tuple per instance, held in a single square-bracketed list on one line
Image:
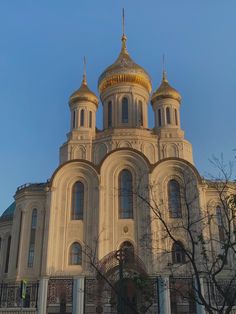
[(96, 158)]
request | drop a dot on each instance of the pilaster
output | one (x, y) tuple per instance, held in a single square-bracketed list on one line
[(199, 307), (164, 294), (42, 296), (78, 295)]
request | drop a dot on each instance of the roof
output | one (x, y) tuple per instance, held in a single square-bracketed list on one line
[(165, 90), (9, 212), (124, 69), (84, 93)]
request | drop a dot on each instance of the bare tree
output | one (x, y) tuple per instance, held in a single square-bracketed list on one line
[(201, 233)]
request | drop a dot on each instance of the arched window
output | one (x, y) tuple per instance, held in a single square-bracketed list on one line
[(125, 194), (31, 252), (178, 255), (220, 223), (34, 219), (140, 113), (109, 115), (75, 254), (77, 201), (176, 117), (8, 254), (127, 249), (159, 117), (90, 119), (82, 117), (168, 115), (174, 201), (125, 112)]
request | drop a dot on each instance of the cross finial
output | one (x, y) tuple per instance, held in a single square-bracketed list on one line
[(84, 75), (123, 22), (163, 62), (164, 75), (124, 38)]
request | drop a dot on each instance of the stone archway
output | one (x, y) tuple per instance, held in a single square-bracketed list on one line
[(125, 288)]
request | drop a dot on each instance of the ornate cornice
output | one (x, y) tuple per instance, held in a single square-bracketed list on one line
[(136, 78)]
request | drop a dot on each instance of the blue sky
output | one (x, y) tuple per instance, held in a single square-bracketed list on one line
[(42, 44)]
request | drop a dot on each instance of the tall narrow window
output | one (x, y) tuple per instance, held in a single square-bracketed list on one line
[(75, 254), (174, 201), (8, 254), (125, 194), (82, 117), (168, 115), (74, 119), (159, 117), (31, 252), (109, 115), (220, 224), (90, 119), (178, 256), (125, 113), (77, 201), (140, 113), (19, 238), (176, 117)]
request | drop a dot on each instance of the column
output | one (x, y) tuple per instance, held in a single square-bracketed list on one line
[(164, 294), (200, 307), (42, 296), (22, 233), (78, 295), (3, 254)]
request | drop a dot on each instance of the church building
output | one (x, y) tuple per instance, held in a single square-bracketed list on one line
[(92, 239)]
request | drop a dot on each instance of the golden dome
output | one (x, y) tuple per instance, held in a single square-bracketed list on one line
[(165, 91), (84, 93), (124, 70)]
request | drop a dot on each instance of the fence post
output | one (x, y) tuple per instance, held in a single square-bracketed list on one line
[(42, 296), (164, 294), (200, 307), (78, 295)]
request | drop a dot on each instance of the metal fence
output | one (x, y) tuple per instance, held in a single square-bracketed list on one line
[(227, 295), (18, 311), (103, 299), (182, 296), (10, 296), (60, 295)]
